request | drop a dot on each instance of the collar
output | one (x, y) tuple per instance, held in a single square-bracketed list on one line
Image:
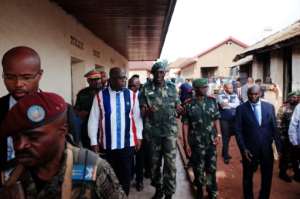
[(256, 104), (111, 90), (12, 101)]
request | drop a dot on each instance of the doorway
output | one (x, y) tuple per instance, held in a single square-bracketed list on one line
[(287, 72), (77, 73)]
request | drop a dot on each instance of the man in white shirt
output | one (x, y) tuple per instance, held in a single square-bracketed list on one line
[(228, 101), (294, 137), (244, 88), (115, 125)]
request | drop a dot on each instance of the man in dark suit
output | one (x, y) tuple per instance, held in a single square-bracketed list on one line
[(255, 132), (21, 74)]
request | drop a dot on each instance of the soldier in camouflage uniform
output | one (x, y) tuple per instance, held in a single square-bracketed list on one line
[(202, 133), (47, 166), (84, 102), (159, 103), (284, 115)]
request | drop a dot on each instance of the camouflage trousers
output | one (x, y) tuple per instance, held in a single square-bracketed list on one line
[(164, 148), (204, 163)]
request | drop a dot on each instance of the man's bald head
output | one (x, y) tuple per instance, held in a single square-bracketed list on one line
[(117, 78), (254, 93), (21, 71), (21, 53), (228, 88)]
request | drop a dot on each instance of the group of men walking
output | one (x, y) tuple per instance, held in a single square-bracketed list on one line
[(40, 133)]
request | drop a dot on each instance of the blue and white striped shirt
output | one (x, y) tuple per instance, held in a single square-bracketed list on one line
[(120, 116)]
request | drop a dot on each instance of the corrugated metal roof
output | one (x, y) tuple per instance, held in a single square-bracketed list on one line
[(285, 34), (243, 61)]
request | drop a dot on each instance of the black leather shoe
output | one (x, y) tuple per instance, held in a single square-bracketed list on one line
[(297, 178), (139, 186), (285, 177), (168, 196)]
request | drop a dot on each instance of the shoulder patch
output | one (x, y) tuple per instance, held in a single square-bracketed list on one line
[(84, 173)]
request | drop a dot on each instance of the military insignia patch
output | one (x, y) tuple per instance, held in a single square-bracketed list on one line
[(85, 173), (36, 113)]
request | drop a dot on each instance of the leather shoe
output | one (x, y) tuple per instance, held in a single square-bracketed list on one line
[(285, 177), (139, 186)]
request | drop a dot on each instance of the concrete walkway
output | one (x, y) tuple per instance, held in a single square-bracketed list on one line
[(183, 188)]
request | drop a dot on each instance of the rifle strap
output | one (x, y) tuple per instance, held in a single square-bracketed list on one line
[(67, 183)]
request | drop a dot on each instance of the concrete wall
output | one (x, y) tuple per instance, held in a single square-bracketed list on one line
[(257, 69), (276, 69), (221, 57), (296, 68), (188, 72), (142, 73), (47, 28)]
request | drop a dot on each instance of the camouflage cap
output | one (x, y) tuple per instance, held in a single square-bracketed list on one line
[(200, 82), (291, 94), (159, 65), (93, 74)]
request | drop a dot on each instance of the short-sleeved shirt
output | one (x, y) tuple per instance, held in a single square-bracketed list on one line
[(200, 116), (164, 99)]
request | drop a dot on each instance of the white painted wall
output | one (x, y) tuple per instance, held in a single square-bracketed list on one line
[(257, 69), (45, 27), (276, 69), (296, 68)]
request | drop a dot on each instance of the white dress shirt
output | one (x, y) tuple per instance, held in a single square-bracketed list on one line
[(294, 128)]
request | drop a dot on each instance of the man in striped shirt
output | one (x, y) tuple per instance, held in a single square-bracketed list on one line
[(115, 125)]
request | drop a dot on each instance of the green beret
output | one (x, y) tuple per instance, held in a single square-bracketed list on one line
[(200, 82), (159, 65), (291, 94)]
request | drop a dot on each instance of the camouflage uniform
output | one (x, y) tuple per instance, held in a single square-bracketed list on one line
[(160, 128), (105, 184), (200, 116), (284, 116)]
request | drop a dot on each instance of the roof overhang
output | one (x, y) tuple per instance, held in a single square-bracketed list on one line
[(284, 38), (136, 29)]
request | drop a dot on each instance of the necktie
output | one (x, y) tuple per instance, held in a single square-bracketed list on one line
[(256, 113)]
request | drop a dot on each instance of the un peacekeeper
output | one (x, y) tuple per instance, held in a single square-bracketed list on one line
[(48, 167), (84, 102), (284, 116), (159, 102), (201, 128)]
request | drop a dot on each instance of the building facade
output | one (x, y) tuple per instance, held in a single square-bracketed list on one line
[(214, 62)]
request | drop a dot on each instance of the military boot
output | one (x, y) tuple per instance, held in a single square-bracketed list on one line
[(167, 196), (158, 194), (199, 194)]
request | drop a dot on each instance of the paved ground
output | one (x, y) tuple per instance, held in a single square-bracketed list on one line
[(229, 179), (183, 191)]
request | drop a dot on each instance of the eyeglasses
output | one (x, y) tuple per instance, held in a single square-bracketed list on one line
[(25, 78)]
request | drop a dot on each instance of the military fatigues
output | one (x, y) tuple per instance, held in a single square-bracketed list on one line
[(102, 184), (200, 116), (284, 116), (160, 128), (84, 102)]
